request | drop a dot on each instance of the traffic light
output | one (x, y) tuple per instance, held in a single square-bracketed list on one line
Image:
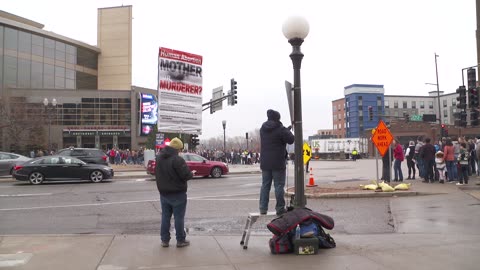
[(232, 99), (194, 141), (474, 117), (444, 131), (472, 88), (370, 113), (462, 98), (463, 119)]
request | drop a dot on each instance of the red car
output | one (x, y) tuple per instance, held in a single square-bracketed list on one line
[(198, 163)]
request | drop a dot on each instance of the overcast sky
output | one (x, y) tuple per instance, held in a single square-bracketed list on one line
[(350, 42)]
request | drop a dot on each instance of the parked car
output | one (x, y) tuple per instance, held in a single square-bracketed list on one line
[(203, 166), (52, 168), (88, 155), (9, 160)]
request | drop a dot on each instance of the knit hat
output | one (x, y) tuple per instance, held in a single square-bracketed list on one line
[(273, 115), (176, 143)]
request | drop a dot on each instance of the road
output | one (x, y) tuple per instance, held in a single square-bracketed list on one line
[(215, 206)]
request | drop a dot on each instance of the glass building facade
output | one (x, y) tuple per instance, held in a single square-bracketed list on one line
[(32, 61), (36, 64)]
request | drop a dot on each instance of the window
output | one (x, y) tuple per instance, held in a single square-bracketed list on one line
[(414, 104), (444, 103), (25, 42), (24, 73), (334, 107), (37, 45), (71, 54), (395, 104), (11, 39), (386, 104), (60, 51), (37, 75), (430, 104), (10, 72), (48, 76), (405, 105), (49, 48), (445, 112), (59, 77), (360, 108), (422, 104)]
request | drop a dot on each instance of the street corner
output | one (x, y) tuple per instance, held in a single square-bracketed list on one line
[(366, 189)]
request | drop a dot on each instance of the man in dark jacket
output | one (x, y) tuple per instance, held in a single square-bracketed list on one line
[(427, 154), (171, 174), (274, 138)]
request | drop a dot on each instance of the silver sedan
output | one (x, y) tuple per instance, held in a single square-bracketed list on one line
[(9, 160)]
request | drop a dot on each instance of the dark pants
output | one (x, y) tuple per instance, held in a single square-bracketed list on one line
[(411, 168), (176, 204), (464, 173), (429, 172), (386, 171)]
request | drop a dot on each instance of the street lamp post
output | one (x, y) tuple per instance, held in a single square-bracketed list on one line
[(224, 123), (438, 97), (295, 29), (50, 112)]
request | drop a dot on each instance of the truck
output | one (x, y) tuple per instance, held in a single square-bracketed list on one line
[(338, 148)]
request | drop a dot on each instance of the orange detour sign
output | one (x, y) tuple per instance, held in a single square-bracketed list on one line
[(382, 138)]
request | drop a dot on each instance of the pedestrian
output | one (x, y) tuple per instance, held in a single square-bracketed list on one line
[(440, 165), (409, 154), (171, 175), (386, 165), (354, 154), (427, 154), (448, 153), (418, 159), (274, 138), (463, 157), (397, 164)]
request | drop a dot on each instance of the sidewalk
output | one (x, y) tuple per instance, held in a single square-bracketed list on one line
[(118, 252), (428, 236)]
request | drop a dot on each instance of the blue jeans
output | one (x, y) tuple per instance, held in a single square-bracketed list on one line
[(397, 170), (452, 170), (176, 204), (278, 177)]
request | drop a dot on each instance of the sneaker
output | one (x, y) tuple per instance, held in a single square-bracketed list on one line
[(459, 184), (408, 178), (165, 244), (281, 212), (441, 182), (263, 212), (183, 243)]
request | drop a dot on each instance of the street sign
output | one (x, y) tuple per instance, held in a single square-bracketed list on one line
[(288, 87), (217, 94), (307, 153), (382, 138)]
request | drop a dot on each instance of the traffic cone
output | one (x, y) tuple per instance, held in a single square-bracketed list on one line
[(311, 181)]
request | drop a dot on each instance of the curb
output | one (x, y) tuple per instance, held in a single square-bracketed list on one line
[(369, 194)]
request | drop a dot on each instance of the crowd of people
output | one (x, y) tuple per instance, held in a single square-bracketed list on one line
[(234, 156), (450, 160), (125, 157)]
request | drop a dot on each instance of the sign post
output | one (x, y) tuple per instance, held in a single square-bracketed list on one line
[(382, 138)]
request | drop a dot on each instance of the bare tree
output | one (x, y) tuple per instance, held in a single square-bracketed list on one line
[(21, 125)]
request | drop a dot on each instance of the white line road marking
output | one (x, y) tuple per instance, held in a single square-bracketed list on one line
[(212, 198), (25, 195)]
